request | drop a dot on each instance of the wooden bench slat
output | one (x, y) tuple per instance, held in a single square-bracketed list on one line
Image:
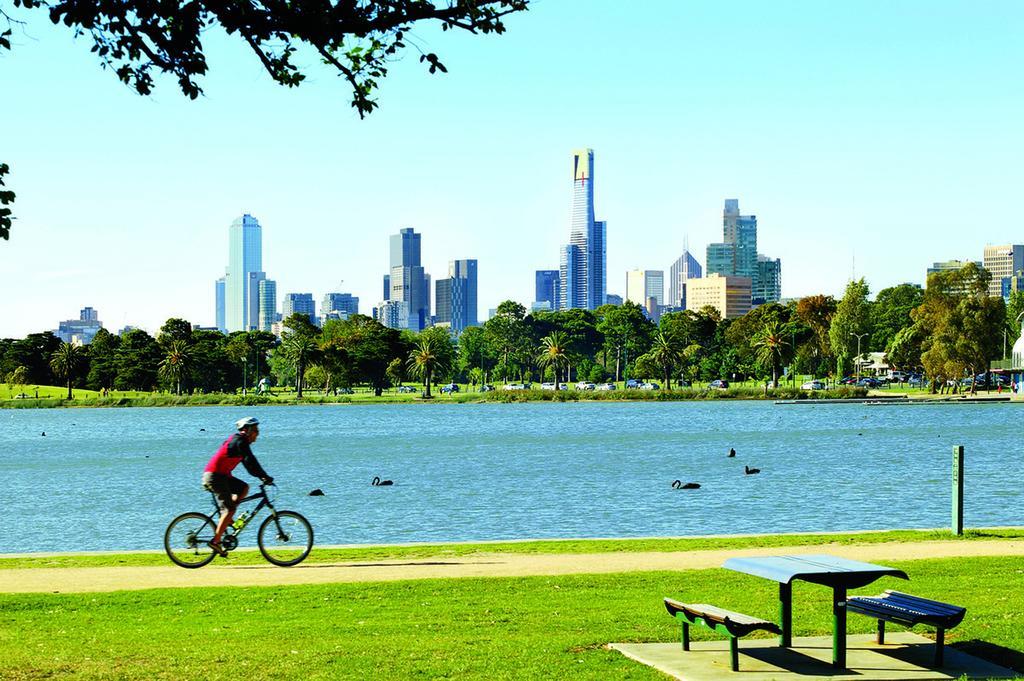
[(736, 623)]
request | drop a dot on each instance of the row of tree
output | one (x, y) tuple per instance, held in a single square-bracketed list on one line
[(949, 330)]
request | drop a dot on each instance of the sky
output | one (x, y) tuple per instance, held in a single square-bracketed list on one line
[(870, 139)]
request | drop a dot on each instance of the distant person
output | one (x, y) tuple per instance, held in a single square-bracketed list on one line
[(228, 489)]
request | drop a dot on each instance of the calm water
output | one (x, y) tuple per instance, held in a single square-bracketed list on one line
[(107, 479)]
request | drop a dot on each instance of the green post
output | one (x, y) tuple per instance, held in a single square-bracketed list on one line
[(958, 490)]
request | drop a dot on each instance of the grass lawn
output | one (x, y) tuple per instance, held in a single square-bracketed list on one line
[(523, 628), (561, 546)]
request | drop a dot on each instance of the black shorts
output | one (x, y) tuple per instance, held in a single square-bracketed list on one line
[(223, 487)]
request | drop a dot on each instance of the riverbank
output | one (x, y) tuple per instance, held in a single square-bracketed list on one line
[(499, 396)]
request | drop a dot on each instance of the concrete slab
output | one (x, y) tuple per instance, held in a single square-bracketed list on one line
[(905, 656)]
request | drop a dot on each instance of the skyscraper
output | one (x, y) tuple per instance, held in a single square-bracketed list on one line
[(768, 284), (1002, 262), (341, 305), (737, 254), (443, 301), (220, 304), (463, 277), (686, 267), (268, 304), (583, 271), (237, 294), (644, 284), (299, 303), (408, 283), (548, 288)]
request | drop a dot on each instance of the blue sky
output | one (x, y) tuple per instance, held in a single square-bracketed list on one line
[(868, 138)]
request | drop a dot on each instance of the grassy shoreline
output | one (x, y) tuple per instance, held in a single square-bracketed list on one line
[(500, 396), (325, 555)]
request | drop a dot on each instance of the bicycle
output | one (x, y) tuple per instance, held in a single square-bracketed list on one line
[(285, 538)]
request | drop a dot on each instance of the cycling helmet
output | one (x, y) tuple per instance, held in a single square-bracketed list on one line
[(246, 422)]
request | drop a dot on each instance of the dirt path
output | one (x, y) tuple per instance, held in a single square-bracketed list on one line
[(222, 573)]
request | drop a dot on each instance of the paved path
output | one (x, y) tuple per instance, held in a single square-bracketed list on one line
[(222, 573)]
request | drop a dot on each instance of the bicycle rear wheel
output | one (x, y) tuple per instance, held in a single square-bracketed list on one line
[(186, 540), (286, 539)]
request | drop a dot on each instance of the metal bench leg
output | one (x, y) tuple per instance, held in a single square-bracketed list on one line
[(881, 632), (940, 640), (786, 614), (686, 635), (734, 653), (839, 628)]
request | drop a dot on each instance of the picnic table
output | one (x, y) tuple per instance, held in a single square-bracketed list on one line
[(831, 571)]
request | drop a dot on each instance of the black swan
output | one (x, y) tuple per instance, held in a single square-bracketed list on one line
[(377, 482), (317, 492), (750, 471), (732, 452), (678, 484)]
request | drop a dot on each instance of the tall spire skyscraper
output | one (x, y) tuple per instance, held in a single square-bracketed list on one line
[(583, 266), (244, 273)]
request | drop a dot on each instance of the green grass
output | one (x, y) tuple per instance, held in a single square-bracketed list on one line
[(485, 628), (327, 555)]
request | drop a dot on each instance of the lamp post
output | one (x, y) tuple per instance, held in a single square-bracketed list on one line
[(245, 364), (859, 336)]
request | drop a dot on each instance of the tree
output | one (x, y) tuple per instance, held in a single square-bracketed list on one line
[(554, 353), (137, 361), (17, 377), (1014, 320), (432, 353), (103, 360), (174, 329), (66, 362), (176, 364), (890, 313), (627, 333), (370, 347), (770, 346), (136, 39), (666, 354), (6, 195), (852, 318), (300, 349), (509, 338)]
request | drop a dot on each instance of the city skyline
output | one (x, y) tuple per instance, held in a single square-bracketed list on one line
[(899, 131)]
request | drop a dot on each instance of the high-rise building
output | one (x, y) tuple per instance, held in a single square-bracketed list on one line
[(407, 282), (547, 288), (245, 256), (768, 283), (736, 255), (443, 301), (220, 304), (268, 304), (729, 295), (613, 299), (1002, 262), (299, 303), (584, 272), (339, 305), (80, 331), (686, 267), (463, 277), (644, 284), (948, 265), (393, 314)]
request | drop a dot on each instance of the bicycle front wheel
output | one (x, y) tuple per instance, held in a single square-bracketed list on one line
[(285, 539), (187, 538)]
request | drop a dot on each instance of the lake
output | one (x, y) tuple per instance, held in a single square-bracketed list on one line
[(111, 479)]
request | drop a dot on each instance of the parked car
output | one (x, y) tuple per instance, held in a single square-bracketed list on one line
[(869, 382), (485, 388), (633, 383), (916, 379), (450, 388), (848, 380), (606, 386), (551, 386), (719, 384), (21, 396), (650, 386), (898, 377), (406, 389), (813, 385), (585, 385), (516, 386)]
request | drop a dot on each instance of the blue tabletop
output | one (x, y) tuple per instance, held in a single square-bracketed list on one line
[(817, 568)]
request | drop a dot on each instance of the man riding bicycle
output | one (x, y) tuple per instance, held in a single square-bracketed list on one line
[(228, 489)]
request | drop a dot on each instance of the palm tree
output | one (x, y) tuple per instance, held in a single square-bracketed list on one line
[(770, 345), (65, 363), (176, 364), (425, 360), (667, 354), (554, 353), (300, 349)]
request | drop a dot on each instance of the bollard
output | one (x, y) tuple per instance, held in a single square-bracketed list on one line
[(957, 525)]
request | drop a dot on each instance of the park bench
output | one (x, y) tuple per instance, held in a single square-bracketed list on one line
[(907, 610), (732, 624)]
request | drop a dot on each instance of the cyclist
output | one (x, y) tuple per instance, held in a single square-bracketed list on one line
[(227, 489)]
